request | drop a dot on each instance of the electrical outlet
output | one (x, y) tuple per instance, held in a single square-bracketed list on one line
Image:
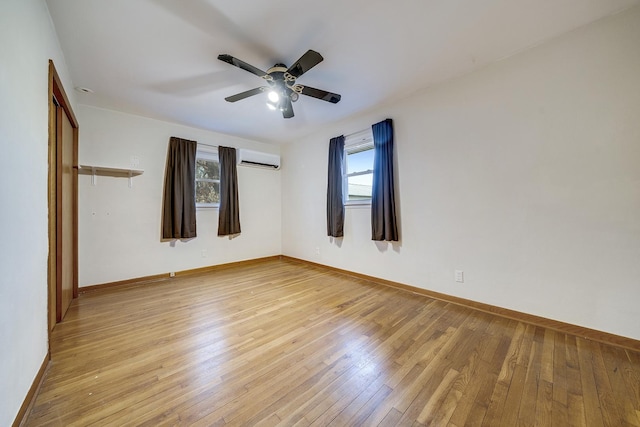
[(459, 276), (172, 274), (134, 161), (317, 250), (204, 253)]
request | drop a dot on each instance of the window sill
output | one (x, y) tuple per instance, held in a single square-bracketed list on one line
[(207, 207)]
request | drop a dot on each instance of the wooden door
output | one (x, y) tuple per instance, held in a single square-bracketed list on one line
[(65, 213), (63, 190)]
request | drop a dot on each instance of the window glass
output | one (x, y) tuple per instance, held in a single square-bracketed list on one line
[(358, 174), (207, 179)]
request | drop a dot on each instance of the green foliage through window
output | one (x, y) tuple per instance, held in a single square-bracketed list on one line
[(207, 179)]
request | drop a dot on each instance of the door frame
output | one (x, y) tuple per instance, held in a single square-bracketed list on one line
[(56, 90)]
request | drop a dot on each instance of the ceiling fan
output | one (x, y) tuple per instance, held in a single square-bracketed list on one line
[(282, 88)]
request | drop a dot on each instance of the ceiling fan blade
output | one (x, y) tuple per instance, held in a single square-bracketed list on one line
[(305, 63), (241, 64), (287, 107), (246, 94), (334, 98)]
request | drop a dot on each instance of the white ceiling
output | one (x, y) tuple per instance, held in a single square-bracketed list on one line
[(158, 58)]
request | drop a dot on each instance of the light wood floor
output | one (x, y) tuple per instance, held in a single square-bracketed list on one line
[(282, 343)]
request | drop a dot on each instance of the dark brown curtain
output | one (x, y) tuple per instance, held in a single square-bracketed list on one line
[(229, 216), (179, 204), (383, 202), (335, 201)]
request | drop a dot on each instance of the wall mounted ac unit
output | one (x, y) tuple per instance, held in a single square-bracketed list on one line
[(258, 159)]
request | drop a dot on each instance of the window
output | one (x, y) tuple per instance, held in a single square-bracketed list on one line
[(358, 173), (207, 179)]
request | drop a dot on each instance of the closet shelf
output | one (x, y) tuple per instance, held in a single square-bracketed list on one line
[(94, 171)]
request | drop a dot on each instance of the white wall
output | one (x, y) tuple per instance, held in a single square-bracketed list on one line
[(524, 174), (27, 42), (119, 227)]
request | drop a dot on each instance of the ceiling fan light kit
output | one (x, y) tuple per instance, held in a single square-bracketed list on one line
[(282, 87), (273, 96)]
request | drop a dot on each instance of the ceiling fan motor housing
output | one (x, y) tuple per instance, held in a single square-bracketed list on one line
[(282, 81)]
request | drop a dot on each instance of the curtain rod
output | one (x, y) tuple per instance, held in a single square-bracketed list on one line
[(207, 145), (216, 146)]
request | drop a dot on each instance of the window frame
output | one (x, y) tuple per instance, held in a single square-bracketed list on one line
[(357, 142), (211, 155)]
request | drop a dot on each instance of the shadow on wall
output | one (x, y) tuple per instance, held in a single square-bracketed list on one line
[(383, 246), (172, 242)]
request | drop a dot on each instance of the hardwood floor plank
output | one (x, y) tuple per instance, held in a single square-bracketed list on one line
[(575, 400), (432, 413), (610, 409), (631, 372), (468, 393), (498, 393), (532, 381), (465, 365), (593, 413), (559, 398), (350, 411), (427, 372), (614, 360), (283, 343), (396, 345), (431, 386), (544, 405), (391, 419), (513, 398), (367, 409)]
